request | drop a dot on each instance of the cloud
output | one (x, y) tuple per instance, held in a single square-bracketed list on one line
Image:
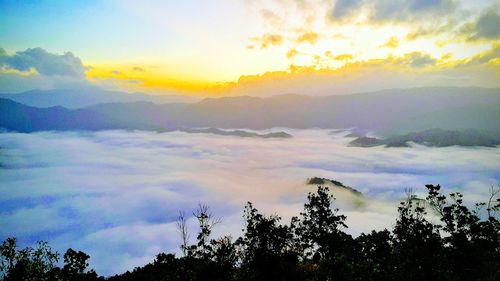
[(485, 27), (434, 26), (268, 39), (343, 8), (116, 194), (392, 42), (271, 17), (408, 10), (38, 69), (392, 10), (488, 25), (339, 57), (138, 69), (343, 57), (291, 53), (44, 63), (417, 59), (487, 57), (414, 69), (308, 37), (429, 31)]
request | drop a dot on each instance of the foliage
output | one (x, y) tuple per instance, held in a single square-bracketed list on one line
[(39, 264), (28, 263)]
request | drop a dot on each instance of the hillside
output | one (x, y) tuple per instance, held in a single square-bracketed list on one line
[(237, 133), (333, 183), (436, 138)]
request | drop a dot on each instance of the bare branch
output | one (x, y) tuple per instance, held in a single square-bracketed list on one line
[(493, 193), (182, 228)]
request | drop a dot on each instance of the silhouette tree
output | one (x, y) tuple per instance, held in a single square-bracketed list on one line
[(472, 244), (206, 221), (183, 231), (319, 232), (417, 243), (268, 251), (318, 225), (75, 266), (374, 259), (27, 264)]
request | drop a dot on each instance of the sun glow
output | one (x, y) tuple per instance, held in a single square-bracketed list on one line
[(201, 48)]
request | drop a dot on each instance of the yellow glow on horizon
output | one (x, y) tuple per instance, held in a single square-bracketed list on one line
[(285, 41), (157, 78)]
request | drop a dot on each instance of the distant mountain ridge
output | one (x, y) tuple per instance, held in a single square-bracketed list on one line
[(388, 113), (434, 137), (83, 97), (238, 133)]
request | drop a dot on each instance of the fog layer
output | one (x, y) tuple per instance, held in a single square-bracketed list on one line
[(116, 194)]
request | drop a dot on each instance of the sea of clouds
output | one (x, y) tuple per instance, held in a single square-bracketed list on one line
[(116, 194)]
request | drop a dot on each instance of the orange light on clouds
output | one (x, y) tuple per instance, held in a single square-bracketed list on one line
[(254, 39)]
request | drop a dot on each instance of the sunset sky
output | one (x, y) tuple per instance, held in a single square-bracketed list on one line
[(119, 117), (256, 47)]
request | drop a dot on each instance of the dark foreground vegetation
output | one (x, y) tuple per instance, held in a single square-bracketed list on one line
[(438, 238)]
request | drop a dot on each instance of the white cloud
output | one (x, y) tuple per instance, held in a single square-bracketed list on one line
[(44, 62), (116, 194), (36, 68)]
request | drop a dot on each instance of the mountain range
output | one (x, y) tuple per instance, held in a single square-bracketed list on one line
[(387, 112), (434, 137), (86, 96)]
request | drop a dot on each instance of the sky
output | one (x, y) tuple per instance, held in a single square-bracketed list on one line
[(255, 47), (116, 194)]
